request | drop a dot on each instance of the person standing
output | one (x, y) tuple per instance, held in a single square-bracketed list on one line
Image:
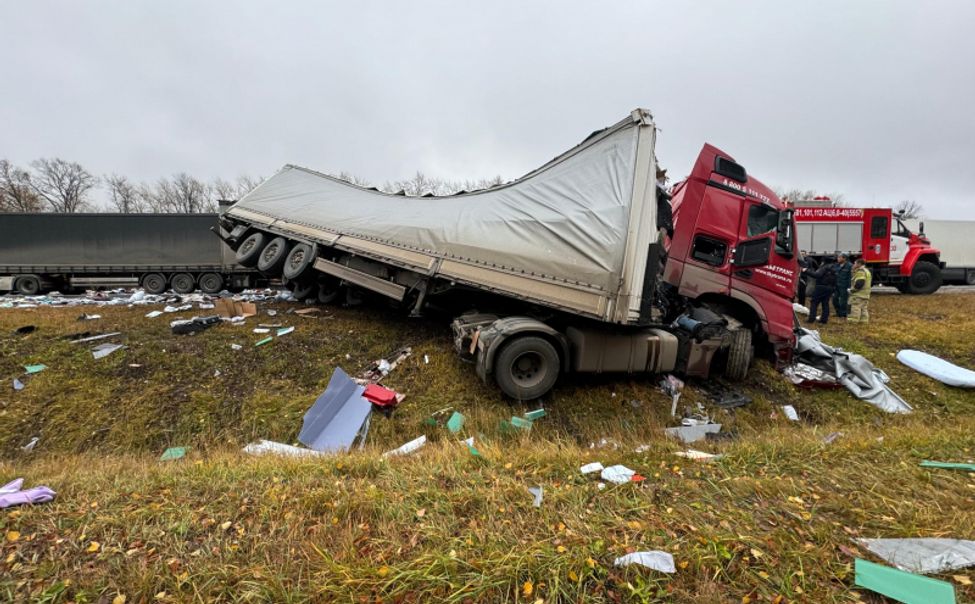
[(825, 277), (665, 214), (860, 292), (844, 275), (805, 262)]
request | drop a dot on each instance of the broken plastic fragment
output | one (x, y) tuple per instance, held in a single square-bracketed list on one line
[(30, 445), (948, 465), (902, 586), (519, 422), (790, 412), (285, 331), (689, 434), (335, 419), (103, 350), (617, 474), (589, 468), (407, 448), (18, 385), (656, 560), (30, 369), (173, 453), (697, 455), (264, 341), (264, 447), (829, 438), (535, 414), (261, 330), (925, 555), (236, 347), (537, 492), (153, 314), (456, 422)]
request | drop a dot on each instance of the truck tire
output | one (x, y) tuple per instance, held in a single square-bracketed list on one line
[(299, 260), (970, 277), (925, 278), (302, 290), (154, 283), (903, 287), (183, 283), (526, 368), (250, 248), (29, 285), (329, 291), (273, 256), (740, 354), (211, 283)]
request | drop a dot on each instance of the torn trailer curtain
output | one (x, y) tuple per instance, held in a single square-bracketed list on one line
[(576, 220), (338, 415)]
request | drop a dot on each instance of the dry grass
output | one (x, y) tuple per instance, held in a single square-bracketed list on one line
[(771, 519)]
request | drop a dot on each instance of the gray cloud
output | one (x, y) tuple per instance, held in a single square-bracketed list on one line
[(871, 99)]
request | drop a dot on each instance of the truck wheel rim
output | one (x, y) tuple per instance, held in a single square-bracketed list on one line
[(270, 252), (297, 257), (526, 369)]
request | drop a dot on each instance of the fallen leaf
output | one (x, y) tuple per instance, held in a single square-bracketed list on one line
[(94, 547), (779, 599), (573, 576), (13, 536), (225, 525), (527, 589), (756, 553), (119, 599), (420, 513), (962, 579), (383, 571)]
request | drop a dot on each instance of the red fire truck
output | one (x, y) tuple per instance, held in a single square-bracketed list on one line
[(895, 255)]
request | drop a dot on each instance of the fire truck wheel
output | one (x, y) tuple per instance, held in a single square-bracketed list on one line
[(273, 256), (926, 278), (740, 354), (526, 368), (249, 251)]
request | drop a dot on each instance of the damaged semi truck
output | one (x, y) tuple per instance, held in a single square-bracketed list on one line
[(572, 247)]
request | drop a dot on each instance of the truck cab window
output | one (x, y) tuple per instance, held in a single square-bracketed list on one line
[(762, 219), (878, 227), (709, 251)]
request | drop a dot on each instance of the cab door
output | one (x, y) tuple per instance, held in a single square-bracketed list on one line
[(876, 235), (759, 263)]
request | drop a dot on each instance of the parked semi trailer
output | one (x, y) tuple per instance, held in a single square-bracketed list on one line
[(68, 252), (895, 255), (954, 238), (573, 247)]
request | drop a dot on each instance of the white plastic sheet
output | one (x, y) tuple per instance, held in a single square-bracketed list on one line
[(656, 560), (924, 555)]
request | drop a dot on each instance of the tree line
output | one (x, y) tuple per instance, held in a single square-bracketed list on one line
[(58, 185)]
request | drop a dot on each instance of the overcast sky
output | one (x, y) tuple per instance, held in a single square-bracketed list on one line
[(875, 100)]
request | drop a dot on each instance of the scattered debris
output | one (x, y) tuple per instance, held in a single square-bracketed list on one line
[(855, 372), (32, 369), (925, 555), (85, 337), (535, 414), (521, 423), (173, 453), (800, 309), (264, 341), (470, 447), (407, 448), (697, 455), (103, 350), (18, 385), (308, 312), (426, 359), (438, 417), (87, 317), (153, 314), (655, 560), (724, 396), (673, 386), (12, 494), (832, 436), (589, 468), (25, 329), (261, 330), (381, 368), (456, 422), (902, 586), (30, 445), (693, 433), (264, 447), (617, 474), (335, 419), (236, 347), (194, 325), (227, 308), (937, 368), (790, 412), (284, 331), (271, 312), (381, 396), (171, 309), (537, 493), (605, 443), (945, 465), (808, 376)]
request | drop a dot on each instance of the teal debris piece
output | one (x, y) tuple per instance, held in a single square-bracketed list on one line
[(505, 427), (35, 368), (535, 414), (948, 465), (456, 422), (519, 422), (473, 451), (285, 331), (173, 453), (902, 586), (264, 341)]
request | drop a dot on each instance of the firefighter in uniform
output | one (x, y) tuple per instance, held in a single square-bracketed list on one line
[(860, 293), (844, 275)]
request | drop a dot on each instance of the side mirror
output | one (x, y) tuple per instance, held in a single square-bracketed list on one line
[(785, 233), (752, 253)]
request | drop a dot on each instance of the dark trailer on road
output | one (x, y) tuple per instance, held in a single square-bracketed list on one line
[(66, 252)]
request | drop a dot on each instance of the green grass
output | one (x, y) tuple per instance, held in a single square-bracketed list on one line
[(775, 518)]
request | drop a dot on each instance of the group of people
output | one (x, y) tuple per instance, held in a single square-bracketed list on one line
[(846, 286)]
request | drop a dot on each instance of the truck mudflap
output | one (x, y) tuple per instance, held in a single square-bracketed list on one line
[(6, 284)]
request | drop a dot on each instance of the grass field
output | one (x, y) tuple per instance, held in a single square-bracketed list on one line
[(774, 520)]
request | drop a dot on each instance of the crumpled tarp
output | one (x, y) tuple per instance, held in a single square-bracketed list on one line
[(13, 493), (924, 555), (853, 371)]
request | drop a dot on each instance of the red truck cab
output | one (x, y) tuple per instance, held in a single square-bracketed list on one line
[(734, 248)]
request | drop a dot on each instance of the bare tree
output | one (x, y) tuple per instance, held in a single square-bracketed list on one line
[(182, 193), (224, 189), (351, 179), (62, 184), (910, 208), (126, 197), (16, 194)]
